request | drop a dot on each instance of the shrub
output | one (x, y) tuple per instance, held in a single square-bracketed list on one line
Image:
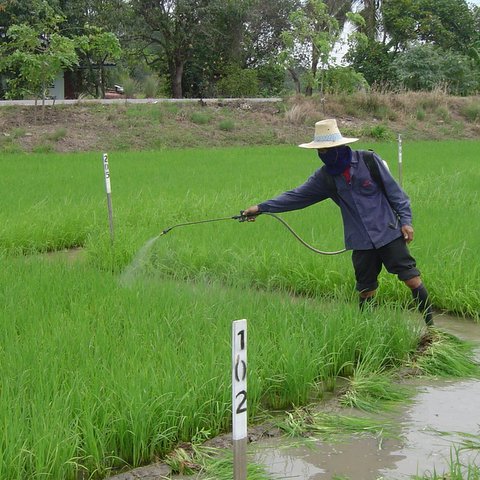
[(226, 125), (150, 86), (200, 118), (425, 67), (443, 113), (378, 132), (238, 82), (57, 135), (471, 111), (300, 113), (343, 80), (421, 114), (18, 132), (271, 79)]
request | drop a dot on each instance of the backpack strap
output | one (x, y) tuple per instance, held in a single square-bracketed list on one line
[(372, 166)]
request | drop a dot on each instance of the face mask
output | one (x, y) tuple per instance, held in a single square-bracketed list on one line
[(336, 159)]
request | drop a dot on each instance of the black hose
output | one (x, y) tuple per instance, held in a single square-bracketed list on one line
[(243, 218), (301, 240)]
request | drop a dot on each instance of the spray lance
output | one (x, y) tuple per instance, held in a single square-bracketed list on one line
[(244, 218)]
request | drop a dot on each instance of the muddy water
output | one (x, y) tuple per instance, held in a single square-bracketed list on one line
[(440, 406)]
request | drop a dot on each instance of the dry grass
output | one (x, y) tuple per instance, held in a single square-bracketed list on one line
[(418, 116)]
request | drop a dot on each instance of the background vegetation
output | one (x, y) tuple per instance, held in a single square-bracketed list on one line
[(213, 48)]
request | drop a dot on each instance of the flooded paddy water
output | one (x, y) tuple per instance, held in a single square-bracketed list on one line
[(439, 406)]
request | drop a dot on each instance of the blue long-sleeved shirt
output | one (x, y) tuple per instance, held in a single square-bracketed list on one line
[(371, 219)]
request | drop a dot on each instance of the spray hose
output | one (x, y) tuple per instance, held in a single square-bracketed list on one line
[(244, 218)]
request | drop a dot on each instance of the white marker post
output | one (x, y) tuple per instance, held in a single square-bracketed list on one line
[(400, 160), (239, 399), (108, 190)]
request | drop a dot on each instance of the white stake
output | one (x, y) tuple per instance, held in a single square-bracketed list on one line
[(239, 399), (108, 190), (400, 153)]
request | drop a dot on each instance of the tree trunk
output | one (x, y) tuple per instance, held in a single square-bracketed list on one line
[(176, 76), (296, 80)]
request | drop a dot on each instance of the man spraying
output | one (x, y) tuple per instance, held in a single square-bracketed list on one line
[(377, 217)]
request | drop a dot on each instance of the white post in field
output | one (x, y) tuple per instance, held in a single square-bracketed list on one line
[(400, 160), (239, 399), (108, 190)]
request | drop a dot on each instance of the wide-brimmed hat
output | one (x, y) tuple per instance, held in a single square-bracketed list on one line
[(327, 135)]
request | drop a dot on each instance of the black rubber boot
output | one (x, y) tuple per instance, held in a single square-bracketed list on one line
[(420, 295)]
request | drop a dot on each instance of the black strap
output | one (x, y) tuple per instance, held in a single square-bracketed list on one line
[(372, 166)]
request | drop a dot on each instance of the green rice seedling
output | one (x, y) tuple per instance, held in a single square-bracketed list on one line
[(457, 470), (112, 360), (304, 422), (444, 355), (373, 391), (220, 467)]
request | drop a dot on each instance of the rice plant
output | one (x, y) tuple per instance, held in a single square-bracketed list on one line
[(107, 367)]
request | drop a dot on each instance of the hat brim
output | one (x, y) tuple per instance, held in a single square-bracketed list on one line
[(337, 143)]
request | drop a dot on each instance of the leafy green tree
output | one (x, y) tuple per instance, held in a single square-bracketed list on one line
[(99, 48), (374, 61), (168, 33), (449, 24), (426, 67), (309, 42), (33, 56)]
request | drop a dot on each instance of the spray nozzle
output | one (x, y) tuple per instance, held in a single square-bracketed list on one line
[(244, 218)]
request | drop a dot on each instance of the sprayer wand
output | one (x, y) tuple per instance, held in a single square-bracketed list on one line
[(244, 218)]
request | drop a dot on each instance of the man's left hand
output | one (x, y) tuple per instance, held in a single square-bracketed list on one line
[(407, 231)]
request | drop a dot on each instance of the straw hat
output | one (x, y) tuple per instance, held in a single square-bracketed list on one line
[(327, 135)]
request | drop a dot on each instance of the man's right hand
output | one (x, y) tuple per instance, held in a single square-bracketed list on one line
[(251, 213)]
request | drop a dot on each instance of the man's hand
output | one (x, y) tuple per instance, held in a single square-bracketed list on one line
[(251, 213), (407, 231)]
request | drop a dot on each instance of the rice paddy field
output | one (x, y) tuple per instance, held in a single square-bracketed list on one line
[(114, 354)]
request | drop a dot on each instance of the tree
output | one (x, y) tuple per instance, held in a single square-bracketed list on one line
[(426, 67), (449, 24), (315, 28), (99, 48), (33, 56), (169, 32)]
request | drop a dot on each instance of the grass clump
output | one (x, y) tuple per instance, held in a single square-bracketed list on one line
[(471, 111), (306, 422), (227, 125), (210, 464), (373, 392), (200, 118), (57, 135), (378, 132), (444, 355)]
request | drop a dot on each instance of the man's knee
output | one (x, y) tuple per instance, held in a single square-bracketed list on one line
[(413, 282)]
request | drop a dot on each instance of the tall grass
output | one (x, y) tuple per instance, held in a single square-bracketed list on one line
[(100, 376), (101, 371)]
